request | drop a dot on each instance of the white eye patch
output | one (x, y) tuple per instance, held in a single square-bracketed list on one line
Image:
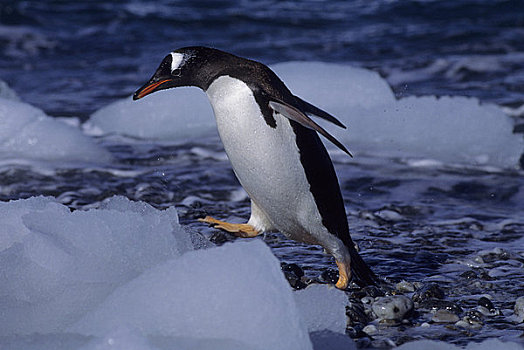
[(177, 60)]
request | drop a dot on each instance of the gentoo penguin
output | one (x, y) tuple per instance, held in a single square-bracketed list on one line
[(274, 150)]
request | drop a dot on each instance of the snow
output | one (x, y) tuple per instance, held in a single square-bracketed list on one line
[(446, 129), (28, 133)]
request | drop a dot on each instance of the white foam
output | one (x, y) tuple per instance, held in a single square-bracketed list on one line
[(28, 133)]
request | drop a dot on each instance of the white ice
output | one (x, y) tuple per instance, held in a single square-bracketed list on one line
[(159, 116), (127, 273), (27, 133), (447, 129), (126, 276)]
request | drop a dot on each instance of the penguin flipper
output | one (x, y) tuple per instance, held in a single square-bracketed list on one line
[(314, 110), (298, 116)]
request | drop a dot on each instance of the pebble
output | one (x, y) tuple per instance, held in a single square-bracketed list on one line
[(370, 329), (329, 276), (486, 307), (356, 314), (392, 307), (293, 274), (472, 320), (519, 309), (444, 316), (436, 304), (405, 287), (428, 291), (469, 275)]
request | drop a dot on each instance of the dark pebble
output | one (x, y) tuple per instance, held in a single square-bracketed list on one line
[(292, 268), (485, 302), (356, 314), (428, 291), (474, 316), (436, 304), (373, 291), (329, 276), (293, 274), (469, 275), (220, 238)]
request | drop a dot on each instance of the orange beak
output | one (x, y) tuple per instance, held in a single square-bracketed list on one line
[(146, 90)]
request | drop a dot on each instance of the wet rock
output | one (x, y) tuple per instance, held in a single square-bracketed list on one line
[(444, 316), (389, 215), (293, 274), (356, 313), (370, 329), (292, 268), (392, 307), (469, 275), (519, 309), (472, 320), (219, 238), (373, 291), (429, 291), (405, 287), (329, 276), (486, 307), (436, 304)]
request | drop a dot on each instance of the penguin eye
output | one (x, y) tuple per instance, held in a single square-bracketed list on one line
[(177, 72)]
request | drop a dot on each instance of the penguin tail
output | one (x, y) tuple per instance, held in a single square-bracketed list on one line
[(362, 273)]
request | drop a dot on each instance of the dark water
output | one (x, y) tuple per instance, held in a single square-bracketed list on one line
[(70, 58), (460, 227)]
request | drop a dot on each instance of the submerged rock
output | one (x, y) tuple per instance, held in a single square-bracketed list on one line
[(293, 274), (392, 307), (428, 291), (519, 309), (486, 307), (444, 316)]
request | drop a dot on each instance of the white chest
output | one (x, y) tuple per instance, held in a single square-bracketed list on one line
[(266, 160)]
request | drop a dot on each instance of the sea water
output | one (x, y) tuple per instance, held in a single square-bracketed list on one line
[(431, 92)]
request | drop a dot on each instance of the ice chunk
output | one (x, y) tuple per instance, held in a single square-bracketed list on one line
[(7, 93), (55, 264), (163, 115), (28, 133), (323, 308), (335, 86), (234, 292), (447, 129)]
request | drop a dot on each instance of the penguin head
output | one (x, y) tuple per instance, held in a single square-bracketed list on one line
[(177, 69)]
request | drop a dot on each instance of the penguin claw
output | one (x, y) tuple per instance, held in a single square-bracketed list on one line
[(344, 275), (239, 230)]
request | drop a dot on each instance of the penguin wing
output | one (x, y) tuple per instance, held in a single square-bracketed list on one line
[(298, 116), (314, 110)]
